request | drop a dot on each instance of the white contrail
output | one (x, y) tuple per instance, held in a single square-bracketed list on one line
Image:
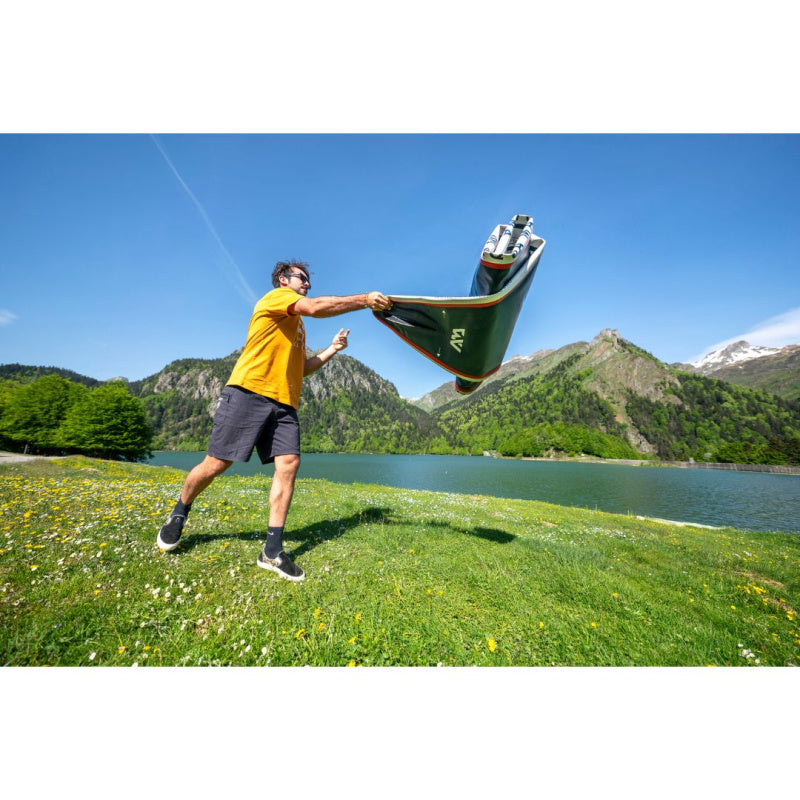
[(238, 279)]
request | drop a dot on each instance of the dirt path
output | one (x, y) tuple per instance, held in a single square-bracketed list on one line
[(17, 458)]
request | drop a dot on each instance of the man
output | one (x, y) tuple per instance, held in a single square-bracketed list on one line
[(258, 406)]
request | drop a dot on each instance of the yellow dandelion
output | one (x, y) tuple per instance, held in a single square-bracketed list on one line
[(594, 624), (321, 627), (358, 617), (615, 594), (733, 607), (351, 663), (541, 624), (317, 612), (121, 650), (352, 640), (492, 644), (300, 633)]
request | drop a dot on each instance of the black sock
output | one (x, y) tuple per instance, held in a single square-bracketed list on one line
[(181, 509), (274, 543)]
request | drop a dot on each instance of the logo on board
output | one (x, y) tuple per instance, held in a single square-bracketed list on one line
[(457, 338)]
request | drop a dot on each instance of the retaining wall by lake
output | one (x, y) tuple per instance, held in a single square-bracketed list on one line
[(734, 467)]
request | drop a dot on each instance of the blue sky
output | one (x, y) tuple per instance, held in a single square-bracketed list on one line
[(121, 253)]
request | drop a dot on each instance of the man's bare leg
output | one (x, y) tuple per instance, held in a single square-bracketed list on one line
[(282, 490), (201, 477), (197, 480), (280, 498)]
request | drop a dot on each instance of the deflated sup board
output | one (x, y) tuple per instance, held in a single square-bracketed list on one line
[(468, 336)]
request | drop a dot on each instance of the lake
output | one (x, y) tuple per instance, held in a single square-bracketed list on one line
[(748, 500)]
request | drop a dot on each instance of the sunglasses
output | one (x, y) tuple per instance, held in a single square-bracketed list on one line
[(303, 278)]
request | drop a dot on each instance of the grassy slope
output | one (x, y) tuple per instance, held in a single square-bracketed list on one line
[(393, 577)]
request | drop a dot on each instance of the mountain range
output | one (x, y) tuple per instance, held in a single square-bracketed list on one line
[(771, 369), (607, 398)]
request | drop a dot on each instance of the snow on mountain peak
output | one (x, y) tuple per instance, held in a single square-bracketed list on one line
[(732, 354)]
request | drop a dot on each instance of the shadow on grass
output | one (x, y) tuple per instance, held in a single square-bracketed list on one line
[(310, 536), (492, 535)]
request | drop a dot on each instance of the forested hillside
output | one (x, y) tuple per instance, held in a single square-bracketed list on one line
[(534, 414), (180, 399), (712, 420), (345, 407), (606, 398), (24, 373), (612, 399)]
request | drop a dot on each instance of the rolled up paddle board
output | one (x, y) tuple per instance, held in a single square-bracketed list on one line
[(468, 336)]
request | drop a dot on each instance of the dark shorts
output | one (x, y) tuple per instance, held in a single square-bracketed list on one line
[(245, 420)]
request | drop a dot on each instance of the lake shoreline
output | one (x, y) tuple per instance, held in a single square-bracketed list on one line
[(742, 499), (775, 469)]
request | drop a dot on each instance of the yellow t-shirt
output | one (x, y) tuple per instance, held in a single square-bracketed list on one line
[(272, 361)]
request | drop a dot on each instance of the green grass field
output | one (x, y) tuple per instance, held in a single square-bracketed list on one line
[(393, 577)]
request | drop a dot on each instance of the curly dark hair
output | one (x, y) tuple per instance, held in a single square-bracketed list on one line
[(285, 267)]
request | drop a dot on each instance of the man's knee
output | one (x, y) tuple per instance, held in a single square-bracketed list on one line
[(213, 467), (287, 466)]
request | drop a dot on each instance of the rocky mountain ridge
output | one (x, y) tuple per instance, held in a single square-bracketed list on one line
[(638, 376), (342, 403), (770, 369)]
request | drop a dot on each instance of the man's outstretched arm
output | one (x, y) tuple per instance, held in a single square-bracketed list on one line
[(332, 305)]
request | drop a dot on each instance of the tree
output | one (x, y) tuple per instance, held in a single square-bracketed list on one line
[(34, 413), (108, 423)]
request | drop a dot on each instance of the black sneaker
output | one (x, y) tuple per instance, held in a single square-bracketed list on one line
[(170, 533), (283, 565)]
